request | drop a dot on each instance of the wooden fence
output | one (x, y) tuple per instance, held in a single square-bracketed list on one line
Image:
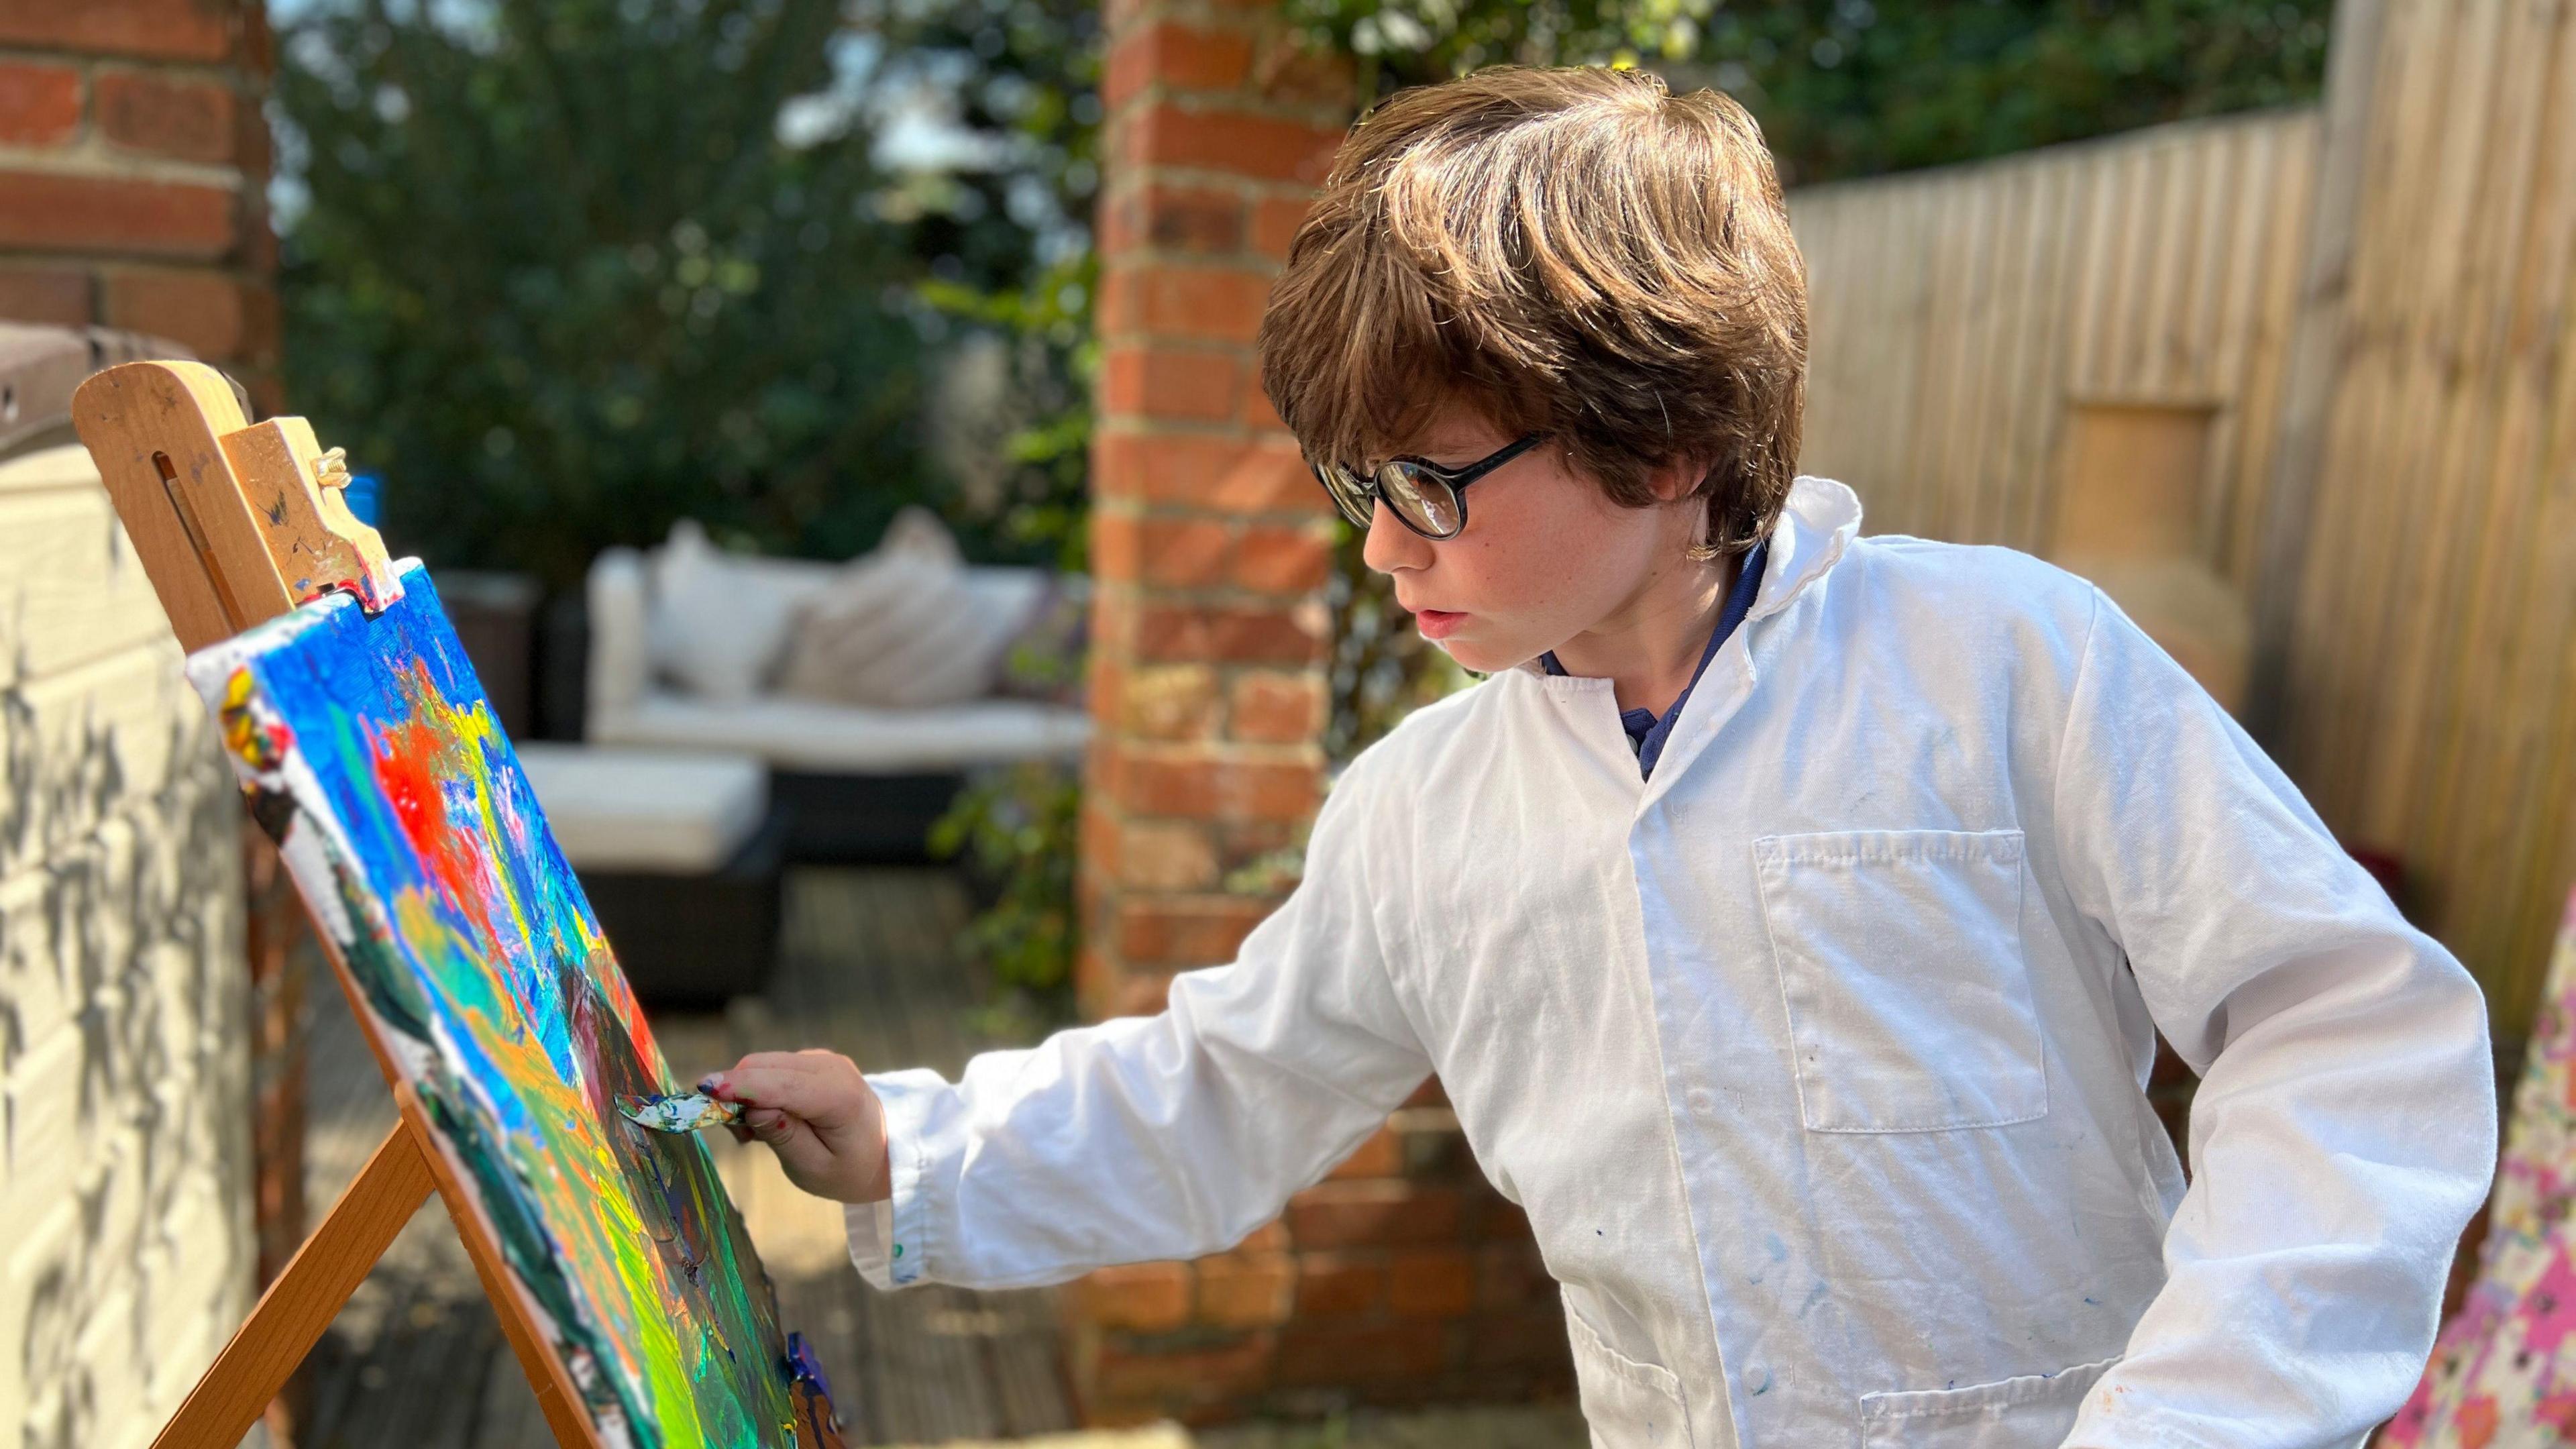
[(2389, 361), (2431, 652)]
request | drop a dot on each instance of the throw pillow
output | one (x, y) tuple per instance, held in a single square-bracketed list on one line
[(715, 627), (899, 627)]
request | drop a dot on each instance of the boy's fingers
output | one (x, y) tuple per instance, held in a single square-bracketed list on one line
[(764, 1086), (824, 1088), (720, 1084), (816, 1060), (809, 1060), (759, 1066), (768, 1059)]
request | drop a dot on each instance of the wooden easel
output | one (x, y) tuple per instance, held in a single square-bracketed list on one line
[(236, 524)]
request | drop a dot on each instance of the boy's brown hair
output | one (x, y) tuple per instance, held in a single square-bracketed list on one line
[(1578, 252)]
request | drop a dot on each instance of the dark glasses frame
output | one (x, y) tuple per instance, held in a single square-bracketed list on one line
[(1397, 478)]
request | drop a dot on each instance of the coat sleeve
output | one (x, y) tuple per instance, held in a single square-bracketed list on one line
[(1170, 1136), (2344, 1127)]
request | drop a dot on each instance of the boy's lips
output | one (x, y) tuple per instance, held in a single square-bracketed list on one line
[(1437, 623)]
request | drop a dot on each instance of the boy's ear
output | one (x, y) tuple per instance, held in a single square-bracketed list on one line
[(1675, 480)]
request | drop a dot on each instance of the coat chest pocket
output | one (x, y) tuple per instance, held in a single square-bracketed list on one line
[(2036, 1411), (1900, 961), (1626, 1404)]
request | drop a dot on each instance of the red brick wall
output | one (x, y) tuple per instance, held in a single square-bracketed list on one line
[(133, 162), (1404, 1277)]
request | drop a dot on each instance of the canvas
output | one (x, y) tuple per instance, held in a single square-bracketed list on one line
[(370, 753), (2504, 1370)]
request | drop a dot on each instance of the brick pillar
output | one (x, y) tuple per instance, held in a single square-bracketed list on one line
[(133, 168), (1209, 540), (1403, 1278), (1210, 543), (134, 163)]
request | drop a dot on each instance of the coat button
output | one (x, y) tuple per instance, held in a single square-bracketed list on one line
[(1702, 1102)]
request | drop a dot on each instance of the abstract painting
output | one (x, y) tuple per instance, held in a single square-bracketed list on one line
[(371, 754), (2504, 1370)]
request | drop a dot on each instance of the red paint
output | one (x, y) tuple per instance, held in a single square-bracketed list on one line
[(408, 770)]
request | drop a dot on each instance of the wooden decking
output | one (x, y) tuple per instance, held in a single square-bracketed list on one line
[(867, 969)]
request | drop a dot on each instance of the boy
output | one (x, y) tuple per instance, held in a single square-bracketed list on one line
[(1789, 917)]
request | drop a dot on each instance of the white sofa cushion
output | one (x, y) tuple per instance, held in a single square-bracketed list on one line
[(804, 734), (620, 666), (659, 812)]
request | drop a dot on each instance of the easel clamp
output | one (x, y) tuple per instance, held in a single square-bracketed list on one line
[(235, 522)]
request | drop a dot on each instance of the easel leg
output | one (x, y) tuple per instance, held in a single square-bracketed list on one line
[(557, 1398), (296, 1309)]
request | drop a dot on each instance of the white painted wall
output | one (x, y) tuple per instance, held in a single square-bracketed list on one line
[(126, 1254)]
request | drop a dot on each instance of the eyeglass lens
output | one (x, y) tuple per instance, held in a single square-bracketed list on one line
[(1425, 502), (1351, 494)]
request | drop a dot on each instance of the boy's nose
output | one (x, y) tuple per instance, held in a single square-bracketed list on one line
[(1390, 545)]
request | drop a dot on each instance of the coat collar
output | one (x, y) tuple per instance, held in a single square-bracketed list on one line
[(1819, 523), (1820, 520)]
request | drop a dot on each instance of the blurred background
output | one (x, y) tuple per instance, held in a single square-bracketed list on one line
[(834, 428)]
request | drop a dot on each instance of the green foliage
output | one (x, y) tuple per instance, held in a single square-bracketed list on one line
[(567, 271), (1007, 236), (1017, 828), (1041, 512), (1848, 88), (1018, 81)]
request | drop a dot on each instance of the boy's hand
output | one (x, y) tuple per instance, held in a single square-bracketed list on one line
[(818, 1114)]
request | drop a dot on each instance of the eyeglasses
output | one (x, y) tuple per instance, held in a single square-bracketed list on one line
[(1425, 497)]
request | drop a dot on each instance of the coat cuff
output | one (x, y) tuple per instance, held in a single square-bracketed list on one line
[(890, 1239)]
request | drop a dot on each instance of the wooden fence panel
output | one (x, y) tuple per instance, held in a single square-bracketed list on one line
[(1955, 312)]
